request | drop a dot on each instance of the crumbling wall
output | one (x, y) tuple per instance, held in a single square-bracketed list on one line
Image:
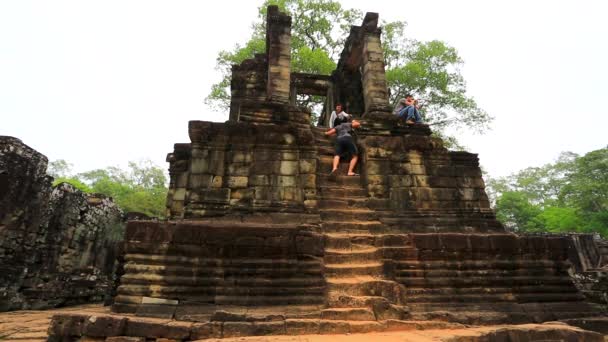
[(58, 246)]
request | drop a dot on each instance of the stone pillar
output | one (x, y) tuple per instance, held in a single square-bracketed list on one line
[(278, 50), (375, 90)]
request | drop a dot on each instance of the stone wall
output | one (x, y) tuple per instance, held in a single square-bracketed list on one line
[(183, 269), (57, 245), (238, 167)]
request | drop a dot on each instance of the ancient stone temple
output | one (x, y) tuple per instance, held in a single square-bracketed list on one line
[(261, 241)]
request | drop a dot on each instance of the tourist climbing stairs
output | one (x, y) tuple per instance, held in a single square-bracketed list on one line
[(357, 290)]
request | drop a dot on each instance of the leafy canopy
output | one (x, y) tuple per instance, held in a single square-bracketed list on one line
[(428, 70), (569, 195), (140, 188)]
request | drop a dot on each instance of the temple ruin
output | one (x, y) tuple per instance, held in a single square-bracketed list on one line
[(261, 241)]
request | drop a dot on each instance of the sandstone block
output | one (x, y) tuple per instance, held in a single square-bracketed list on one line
[(376, 179), (206, 331), (125, 339), (104, 326), (236, 182), (241, 194), (241, 157), (67, 325), (308, 165), (199, 165), (239, 169), (302, 326), (400, 181), (288, 167), (156, 310), (334, 327), (308, 180), (148, 329), (196, 181), (377, 167)]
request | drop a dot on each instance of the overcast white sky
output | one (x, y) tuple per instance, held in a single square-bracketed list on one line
[(100, 83)]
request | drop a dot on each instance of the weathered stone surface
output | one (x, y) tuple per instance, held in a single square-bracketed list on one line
[(58, 246)]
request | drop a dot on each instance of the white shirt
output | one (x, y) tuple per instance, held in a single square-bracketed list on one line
[(333, 117)]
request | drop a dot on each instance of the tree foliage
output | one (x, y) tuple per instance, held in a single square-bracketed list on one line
[(569, 195), (140, 188), (428, 70)]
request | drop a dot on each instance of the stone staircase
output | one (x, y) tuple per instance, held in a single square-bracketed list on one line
[(357, 290), (372, 268)]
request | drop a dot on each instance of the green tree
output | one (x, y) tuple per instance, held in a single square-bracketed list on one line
[(428, 70), (141, 188), (59, 168), (515, 211), (570, 194)]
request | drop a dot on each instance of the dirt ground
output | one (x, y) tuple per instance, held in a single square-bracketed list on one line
[(32, 326)]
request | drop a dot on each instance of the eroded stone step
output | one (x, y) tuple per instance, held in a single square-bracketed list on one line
[(483, 281), (358, 214), (350, 269), (155, 279), (163, 259), (181, 291), (341, 300), (195, 271), (324, 178), (348, 314), (353, 227), (348, 241), (342, 203), (341, 256), (411, 291), (477, 264), (245, 300), (367, 286), (341, 192), (540, 272)]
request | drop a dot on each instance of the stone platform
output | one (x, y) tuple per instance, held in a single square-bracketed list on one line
[(230, 326)]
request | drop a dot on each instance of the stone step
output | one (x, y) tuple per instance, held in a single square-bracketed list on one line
[(245, 300), (338, 179), (195, 271), (483, 281), (155, 279), (481, 272), (341, 300), (341, 256), (477, 264), (413, 291), (183, 260), (348, 270), (367, 286), (358, 214), (348, 241), (348, 314), (353, 227), (342, 203), (29, 336), (180, 291), (325, 162), (342, 192), (497, 297), (399, 253)]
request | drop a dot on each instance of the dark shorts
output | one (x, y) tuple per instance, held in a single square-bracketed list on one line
[(346, 145)]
